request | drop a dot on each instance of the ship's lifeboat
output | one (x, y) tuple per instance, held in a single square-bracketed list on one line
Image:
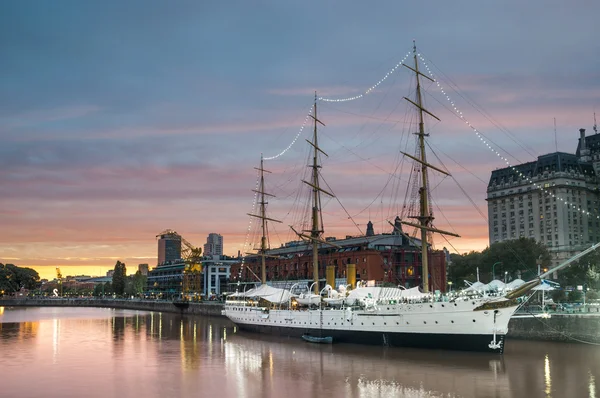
[(308, 299)]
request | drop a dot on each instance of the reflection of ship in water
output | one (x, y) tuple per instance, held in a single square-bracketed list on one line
[(528, 369), (246, 364), (352, 370)]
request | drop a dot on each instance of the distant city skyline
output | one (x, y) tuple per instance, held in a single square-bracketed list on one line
[(119, 122)]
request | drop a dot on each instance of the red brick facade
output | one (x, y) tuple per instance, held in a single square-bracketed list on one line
[(399, 266)]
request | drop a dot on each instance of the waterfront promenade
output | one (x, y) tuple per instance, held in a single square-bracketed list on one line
[(566, 327), (205, 308)]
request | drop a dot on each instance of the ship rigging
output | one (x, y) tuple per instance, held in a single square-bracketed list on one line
[(394, 316)]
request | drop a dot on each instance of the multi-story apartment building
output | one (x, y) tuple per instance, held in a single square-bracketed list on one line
[(554, 199)]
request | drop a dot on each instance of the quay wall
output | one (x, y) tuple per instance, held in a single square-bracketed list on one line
[(559, 327), (206, 308)]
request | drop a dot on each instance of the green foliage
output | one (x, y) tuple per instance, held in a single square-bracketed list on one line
[(135, 284), (139, 283), (13, 278), (592, 295), (464, 267), (574, 296), (103, 289), (586, 271), (98, 290), (108, 289), (119, 278), (518, 257), (558, 296)]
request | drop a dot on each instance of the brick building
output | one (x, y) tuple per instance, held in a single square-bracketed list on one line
[(387, 257)]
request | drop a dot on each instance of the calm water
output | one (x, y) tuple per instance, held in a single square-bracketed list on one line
[(75, 352)]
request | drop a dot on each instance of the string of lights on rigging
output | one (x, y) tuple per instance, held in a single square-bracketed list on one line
[(484, 141), (368, 91), (248, 232), (373, 87), (295, 138)]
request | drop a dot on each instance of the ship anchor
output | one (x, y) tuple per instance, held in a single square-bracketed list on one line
[(495, 345)]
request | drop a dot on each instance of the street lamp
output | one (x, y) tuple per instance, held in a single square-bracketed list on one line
[(494, 265), (450, 284), (505, 275)]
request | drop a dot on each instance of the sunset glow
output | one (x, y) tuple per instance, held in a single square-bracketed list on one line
[(113, 132)]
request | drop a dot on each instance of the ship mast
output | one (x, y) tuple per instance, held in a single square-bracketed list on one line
[(263, 217), (425, 217), (316, 208), (316, 230)]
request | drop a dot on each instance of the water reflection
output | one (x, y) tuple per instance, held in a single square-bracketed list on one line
[(106, 353), (357, 371)]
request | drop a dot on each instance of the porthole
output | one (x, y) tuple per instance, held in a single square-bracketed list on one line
[(436, 321), (473, 320)]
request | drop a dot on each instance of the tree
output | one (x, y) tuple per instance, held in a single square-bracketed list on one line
[(118, 279), (558, 296), (139, 283), (517, 257), (464, 267), (586, 271), (13, 278), (98, 290), (574, 296), (108, 289)]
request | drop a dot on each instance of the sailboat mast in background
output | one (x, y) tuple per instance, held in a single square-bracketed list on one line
[(263, 217)]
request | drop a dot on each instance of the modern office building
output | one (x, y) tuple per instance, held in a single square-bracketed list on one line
[(554, 200), (167, 280), (169, 246), (214, 245)]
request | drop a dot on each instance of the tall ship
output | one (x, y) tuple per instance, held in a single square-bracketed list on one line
[(363, 313)]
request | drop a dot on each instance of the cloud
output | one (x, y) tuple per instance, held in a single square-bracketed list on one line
[(120, 120)]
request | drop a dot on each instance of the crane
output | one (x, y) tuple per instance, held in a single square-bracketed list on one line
[(192, 273), (59, 279)]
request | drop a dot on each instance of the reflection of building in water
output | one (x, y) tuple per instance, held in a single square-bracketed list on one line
[(20, 331), (363, 371), (194, 337), (553, 373)]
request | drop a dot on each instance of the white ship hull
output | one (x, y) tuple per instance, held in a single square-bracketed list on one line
[(460, 325)]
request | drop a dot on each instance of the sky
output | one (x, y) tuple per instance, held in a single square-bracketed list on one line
[(120, 119)]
